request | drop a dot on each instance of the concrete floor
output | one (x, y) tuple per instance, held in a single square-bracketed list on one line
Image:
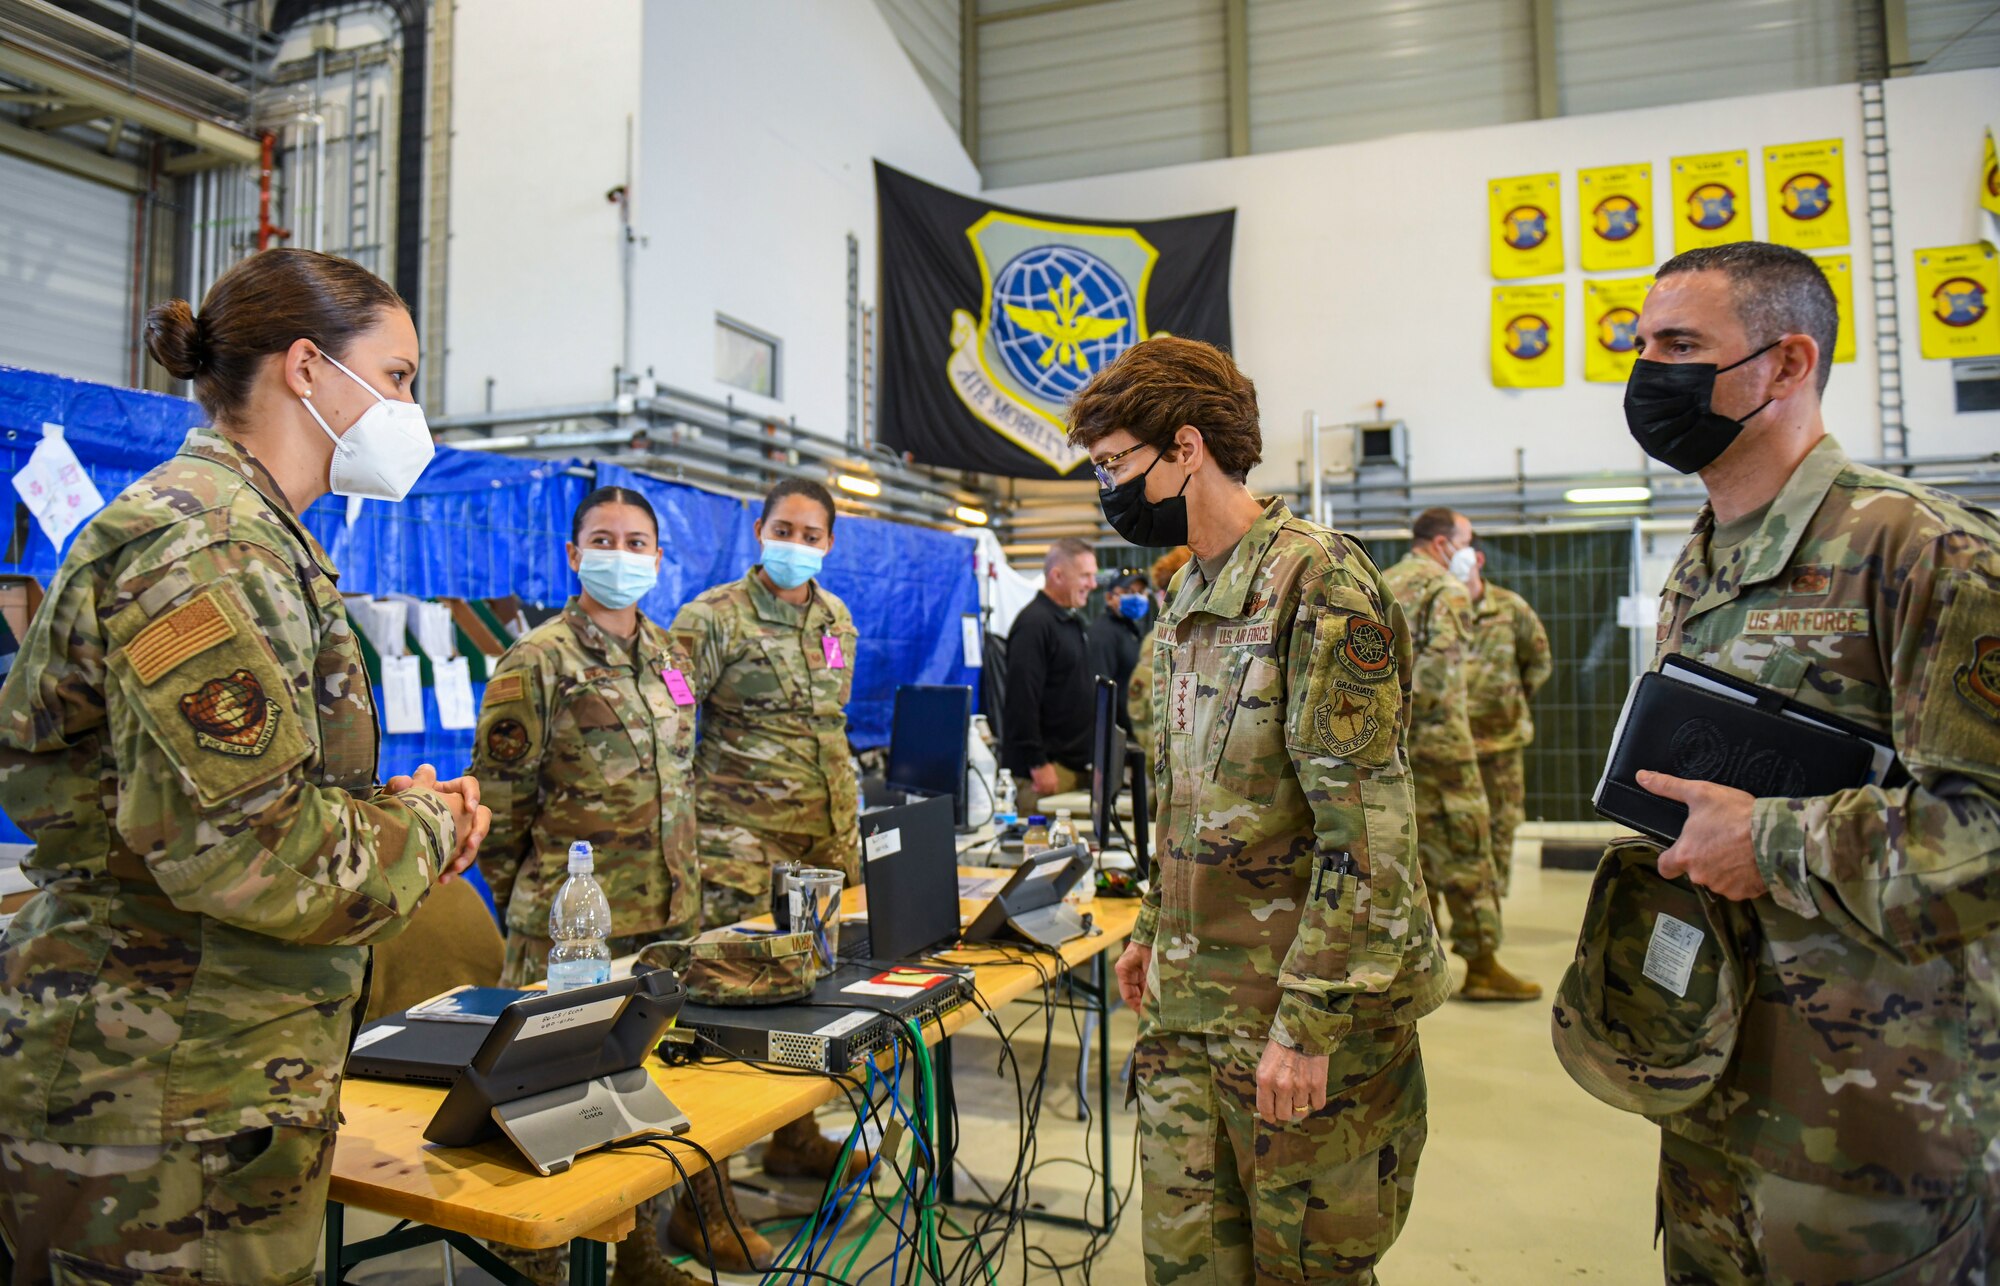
[(1525, 1180)]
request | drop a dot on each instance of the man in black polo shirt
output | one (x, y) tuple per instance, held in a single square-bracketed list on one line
[(1048, 714)]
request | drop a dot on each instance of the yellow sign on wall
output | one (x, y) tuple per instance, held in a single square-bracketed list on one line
[(1611, 327), (1805, 194), (1527, 336), (1615, 205), (1524, 221), (1956, 287), (1711, 200), (1989, 177), (1839, 270)]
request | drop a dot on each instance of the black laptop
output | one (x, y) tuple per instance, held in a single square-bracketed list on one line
[(909, 865)]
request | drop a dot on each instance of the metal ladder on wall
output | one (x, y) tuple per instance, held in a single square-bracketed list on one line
[(1882, 269), (360, 165)]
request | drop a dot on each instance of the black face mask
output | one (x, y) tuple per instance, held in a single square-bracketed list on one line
[(1143, 522), (1667, 410)]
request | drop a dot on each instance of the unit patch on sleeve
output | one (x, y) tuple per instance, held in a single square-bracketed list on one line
[(232, 715), (507, 740), (1978, 680), (1368, 651), (188, 630)]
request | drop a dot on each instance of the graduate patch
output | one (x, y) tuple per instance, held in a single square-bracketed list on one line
[(189, 630), (1806, 620), (1346, 721), (1367, 651), (232, 715), (1978, 680), (508, 687), (1239, 635), (1810, 580), (507, 740)]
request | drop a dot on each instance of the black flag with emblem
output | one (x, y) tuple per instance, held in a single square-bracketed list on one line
[(992, 319)]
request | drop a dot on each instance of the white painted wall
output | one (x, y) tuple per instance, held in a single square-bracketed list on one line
[(1361, 270), (757, 128), (761, 124), (538, 138)]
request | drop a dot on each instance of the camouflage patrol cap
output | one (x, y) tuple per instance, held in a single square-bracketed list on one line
[(1647, 1015), (736, 968)]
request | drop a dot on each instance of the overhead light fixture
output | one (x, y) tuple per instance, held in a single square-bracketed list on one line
[(970, 516), (1608, 495), (857, 485)]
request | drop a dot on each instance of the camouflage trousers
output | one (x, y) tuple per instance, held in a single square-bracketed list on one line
[(247, 1208), (1506, 784), (736, 864), (1456, 847), (1229, 1198), (528, 956), (1726, 1222)]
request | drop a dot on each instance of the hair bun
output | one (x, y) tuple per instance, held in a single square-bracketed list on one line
[(177, 339)]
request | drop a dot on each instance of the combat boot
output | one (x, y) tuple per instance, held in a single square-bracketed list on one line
[(1485, 979), (641, 1261), (708, 1202), (543, 1267), (800, 1151)]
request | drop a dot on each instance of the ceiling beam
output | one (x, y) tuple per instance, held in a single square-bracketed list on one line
[(1548, 85), (61, 154), (62, 117), (136, 109), (968, 78), (1236, 73)]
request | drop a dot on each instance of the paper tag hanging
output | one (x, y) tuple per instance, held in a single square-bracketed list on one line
[(402, 694), (456, 708), (54, 487)]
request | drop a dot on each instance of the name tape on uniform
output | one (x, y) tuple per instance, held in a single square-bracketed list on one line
[(1240, 635), (1806, 620)]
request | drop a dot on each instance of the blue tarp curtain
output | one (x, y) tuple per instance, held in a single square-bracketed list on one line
[(481, 525)]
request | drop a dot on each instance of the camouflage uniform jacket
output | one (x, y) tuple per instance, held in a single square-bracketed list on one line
[(580, 740), (773, 754), (1285, 901), (1869, 1055), (1508, 663), (1440, 615), (189, 735)]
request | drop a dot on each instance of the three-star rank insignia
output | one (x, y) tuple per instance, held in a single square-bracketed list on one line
[(1978, 680), (232, 715)]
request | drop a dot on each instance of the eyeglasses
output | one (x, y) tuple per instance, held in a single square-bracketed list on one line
[(1103, 467)]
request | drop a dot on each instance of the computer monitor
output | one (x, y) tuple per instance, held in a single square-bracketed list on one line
[(1107, 763), (927, 742)]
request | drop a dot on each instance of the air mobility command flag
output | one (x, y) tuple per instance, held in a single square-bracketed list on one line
[(1611, 325), (1615, 203), (1711, 200), (1527, 336), (1839, 270), (1524, 221), (993, 319), (1805, 194), (1956, 289)]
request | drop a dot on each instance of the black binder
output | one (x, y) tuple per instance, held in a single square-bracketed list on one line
[(1693, 721)]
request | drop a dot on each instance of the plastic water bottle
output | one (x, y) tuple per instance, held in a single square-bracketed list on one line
[(1062, 835), (1037, 838), (1004, 801), (579, 924)]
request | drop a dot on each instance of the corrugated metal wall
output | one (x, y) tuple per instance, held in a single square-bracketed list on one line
[(1953, 35), (1616, 54), (1324, 73), (1079, 87), (1121, 85), (928, 32), (65, 273)]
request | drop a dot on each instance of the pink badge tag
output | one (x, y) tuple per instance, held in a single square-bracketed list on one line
[(835, 658), (677, 687)]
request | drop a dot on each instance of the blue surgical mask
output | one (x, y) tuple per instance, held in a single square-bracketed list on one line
[(791, 565), (617, 579), (1132, 607)]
